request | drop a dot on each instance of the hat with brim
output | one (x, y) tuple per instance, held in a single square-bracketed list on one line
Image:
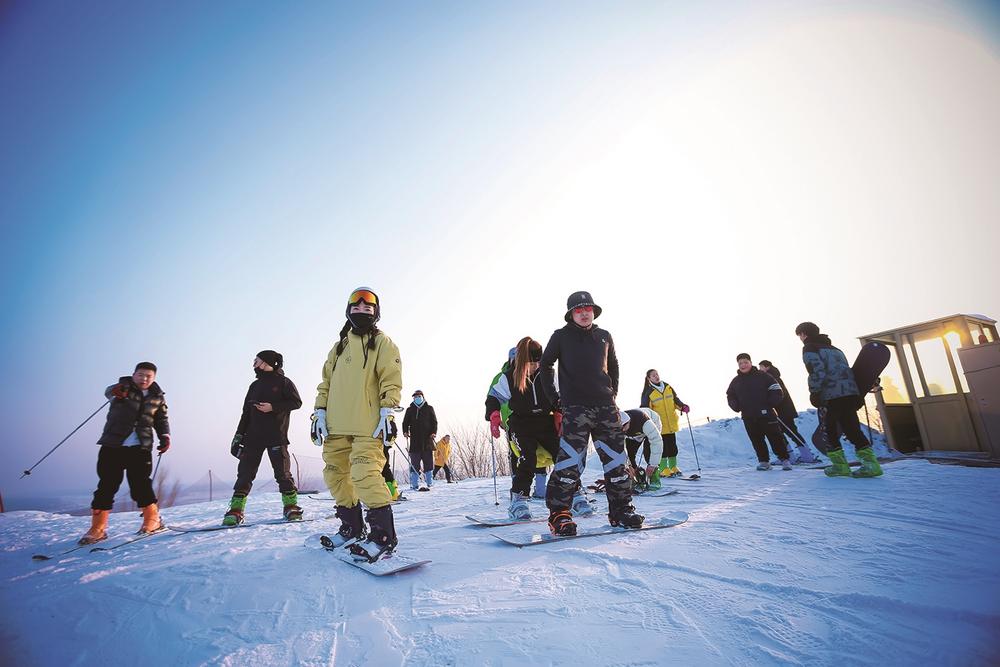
[(577, 299)]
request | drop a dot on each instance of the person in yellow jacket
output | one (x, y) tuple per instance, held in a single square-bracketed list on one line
[(442, 450), (661, 398), (362, 378)]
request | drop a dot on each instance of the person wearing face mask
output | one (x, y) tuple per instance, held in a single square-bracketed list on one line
[(352, 422), (420, 426), (755, 395), (138, 408), (530, 421), (263, 428)]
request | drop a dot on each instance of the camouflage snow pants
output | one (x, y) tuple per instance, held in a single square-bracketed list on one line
[(579, 424)]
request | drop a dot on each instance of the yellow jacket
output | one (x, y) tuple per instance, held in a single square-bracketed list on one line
[(355, 387), (665, 403), (442, 450)]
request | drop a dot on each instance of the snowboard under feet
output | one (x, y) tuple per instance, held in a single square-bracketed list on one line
[(388, 564), (209, 529), (527, 539)]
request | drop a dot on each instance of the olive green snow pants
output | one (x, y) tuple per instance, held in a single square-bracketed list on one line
[(353, 470)]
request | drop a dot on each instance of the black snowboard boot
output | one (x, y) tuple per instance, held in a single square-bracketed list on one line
[(352, 525), (381, 538), (561, 523), (625, 517)]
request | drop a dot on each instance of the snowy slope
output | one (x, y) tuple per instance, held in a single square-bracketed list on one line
[(772, 568)]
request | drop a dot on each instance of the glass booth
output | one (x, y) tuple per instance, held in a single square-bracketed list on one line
[(940, 390)]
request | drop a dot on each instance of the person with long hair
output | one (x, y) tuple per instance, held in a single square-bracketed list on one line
[(531, 423), (662, 399), (362, 378)]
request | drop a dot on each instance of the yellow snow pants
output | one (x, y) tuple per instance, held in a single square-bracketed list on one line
[(353, 470)]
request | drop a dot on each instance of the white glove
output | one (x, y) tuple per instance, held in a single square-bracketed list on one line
[(385, 414), (318, 431)]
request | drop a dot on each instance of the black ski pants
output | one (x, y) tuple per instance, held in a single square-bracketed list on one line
[(387, 469), (579, 425), (530, 436), (250, 462), (669, 446), (117, 463), (842, 417), (447, 471), (766, 426), (632, 447)]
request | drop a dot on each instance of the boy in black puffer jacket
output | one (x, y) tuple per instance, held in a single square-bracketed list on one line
[(756, 394)]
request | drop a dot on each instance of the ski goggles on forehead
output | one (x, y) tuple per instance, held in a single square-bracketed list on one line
[(363, 295)]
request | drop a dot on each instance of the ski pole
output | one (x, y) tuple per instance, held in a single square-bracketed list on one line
[(408, 462), (28, 471), (156, 467), (868, 423), (789, 431), (694, 446), (493, 449)]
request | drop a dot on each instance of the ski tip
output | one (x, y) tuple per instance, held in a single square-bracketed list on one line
[(41, 557)]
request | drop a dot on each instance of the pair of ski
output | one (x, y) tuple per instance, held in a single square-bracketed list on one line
[(531, 538), (389, 563), (93, 549)]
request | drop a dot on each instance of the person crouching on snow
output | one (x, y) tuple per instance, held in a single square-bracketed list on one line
[(588, 384), (263, 428), (362, 378), (137, 409), (530, 421)]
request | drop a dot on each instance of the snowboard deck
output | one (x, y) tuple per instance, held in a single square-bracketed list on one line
[(390, 564), (659, 493), (668, 520), (209, 529)]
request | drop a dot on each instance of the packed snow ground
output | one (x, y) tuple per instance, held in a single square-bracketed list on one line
[(772, 568)]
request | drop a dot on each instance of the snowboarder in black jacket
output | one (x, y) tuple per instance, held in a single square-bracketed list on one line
[(138, 408), (756, 394), (588, 385), (263, 428), (420, 427), (787, 414)]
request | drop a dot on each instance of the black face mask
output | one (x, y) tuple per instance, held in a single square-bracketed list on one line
[(361, 323)]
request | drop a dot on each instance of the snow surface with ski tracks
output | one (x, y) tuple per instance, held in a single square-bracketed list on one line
[(771, 568)]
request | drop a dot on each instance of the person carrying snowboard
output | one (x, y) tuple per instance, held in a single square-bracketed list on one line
[(832, 385), (420, 426), (787, 415), (137, 409), (588, 385), (263, 428), (362, 378), (755, 394), (530, 420), (642, 428), (664, 401)]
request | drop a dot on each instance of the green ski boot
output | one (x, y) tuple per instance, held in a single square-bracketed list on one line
[(869, 464), (234, 516), (291, 511), (654, 481), (839, 467)]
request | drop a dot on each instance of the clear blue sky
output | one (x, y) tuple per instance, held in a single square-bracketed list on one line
[(190, 183)]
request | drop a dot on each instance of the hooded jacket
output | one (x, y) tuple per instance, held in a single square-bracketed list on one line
[(830, 375), (268, 429), (664, 402), (588, 367), (754, 394), (786, 409)]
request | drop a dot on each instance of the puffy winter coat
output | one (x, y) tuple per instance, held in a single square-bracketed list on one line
[(135, 412), (267, 429), (357, 382), (588, 367), (830, 374), (442, 450), (786, 409), (754, 394), (420, 425), (644, 424), (665, 402)]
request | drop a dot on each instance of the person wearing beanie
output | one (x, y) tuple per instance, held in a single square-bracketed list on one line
[(660, 397), (138, 408), (420, 428), (787, 414), (531, 424), (362, 379), (263, 427), (756, 394), (832, 386), (588, 385)]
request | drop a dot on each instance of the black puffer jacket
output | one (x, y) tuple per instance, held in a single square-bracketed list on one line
[(268, 429), (786, 409), (420, 425), (135, 412), (588, 367), (754, 394)]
